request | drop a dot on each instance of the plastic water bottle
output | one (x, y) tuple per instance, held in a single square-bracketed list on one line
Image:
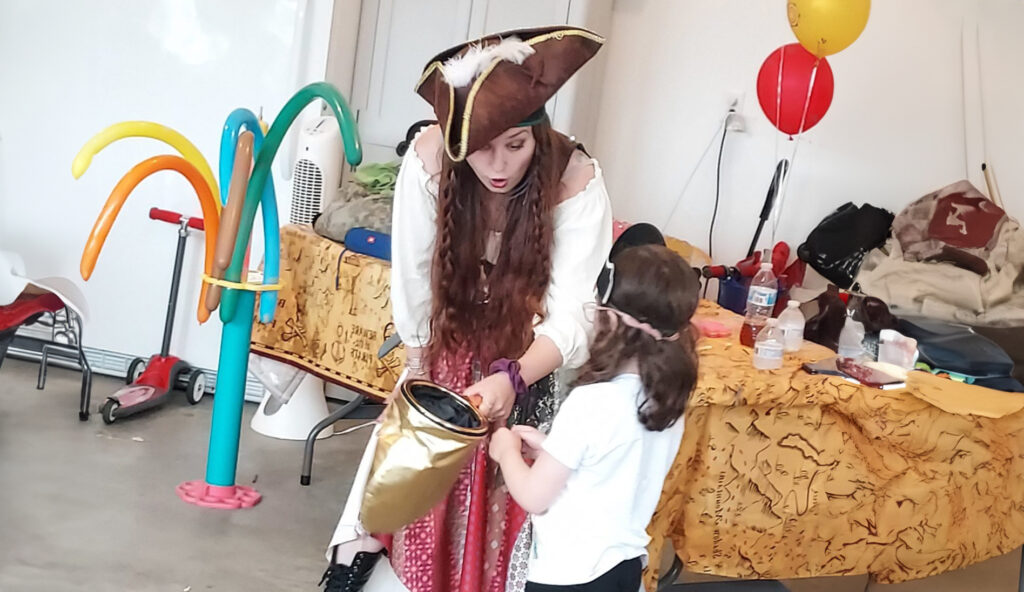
[(791, 323), (851, 339), (768, 347), (764, 291)]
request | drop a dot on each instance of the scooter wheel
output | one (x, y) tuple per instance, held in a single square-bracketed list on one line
[(196, 387), (135, 370), (108, 409)]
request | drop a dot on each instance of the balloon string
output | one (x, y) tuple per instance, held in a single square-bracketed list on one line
[(778, 101), (792, 159), (807, 100)]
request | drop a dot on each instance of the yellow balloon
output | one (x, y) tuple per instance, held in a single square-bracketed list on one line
[(825, 27), (145, 129)]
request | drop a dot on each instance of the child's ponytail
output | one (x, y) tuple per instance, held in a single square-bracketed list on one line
[(647, 322), (668, 370)]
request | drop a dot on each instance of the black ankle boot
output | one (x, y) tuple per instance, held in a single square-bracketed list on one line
[(350, 578)]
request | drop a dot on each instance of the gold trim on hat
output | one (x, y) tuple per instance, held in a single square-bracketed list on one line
[(467, 114)]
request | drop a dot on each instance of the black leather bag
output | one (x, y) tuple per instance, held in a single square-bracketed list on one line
[(837, 245)]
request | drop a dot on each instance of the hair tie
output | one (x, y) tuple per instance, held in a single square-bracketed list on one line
[(633, 322)]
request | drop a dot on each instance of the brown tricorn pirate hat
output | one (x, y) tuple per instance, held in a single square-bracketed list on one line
[(481, 88)]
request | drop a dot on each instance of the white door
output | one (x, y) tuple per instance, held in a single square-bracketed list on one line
[(397, 37), (493, 16)]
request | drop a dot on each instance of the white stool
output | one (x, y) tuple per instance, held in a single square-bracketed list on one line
[(293, 420)]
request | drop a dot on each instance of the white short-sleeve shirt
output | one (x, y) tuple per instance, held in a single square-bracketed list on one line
[(618, 469)]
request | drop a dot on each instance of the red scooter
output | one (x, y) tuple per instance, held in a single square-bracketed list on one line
[(151, 381)]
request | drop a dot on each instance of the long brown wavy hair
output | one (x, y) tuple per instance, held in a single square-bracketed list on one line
[(500, 324), (655, 286)]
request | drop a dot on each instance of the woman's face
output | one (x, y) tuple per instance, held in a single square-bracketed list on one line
[(501, 165)]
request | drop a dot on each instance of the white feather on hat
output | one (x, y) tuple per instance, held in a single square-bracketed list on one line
[(461, 70)]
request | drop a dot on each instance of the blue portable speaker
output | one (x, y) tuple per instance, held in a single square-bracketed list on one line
[(369, 242)]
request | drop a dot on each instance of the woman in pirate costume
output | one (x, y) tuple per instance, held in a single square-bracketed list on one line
[(501, 227)]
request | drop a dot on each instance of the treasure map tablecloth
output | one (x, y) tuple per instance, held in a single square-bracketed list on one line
[(333, 314), (784, 474)]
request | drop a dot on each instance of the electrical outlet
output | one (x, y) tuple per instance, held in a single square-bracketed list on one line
[(734, 101), (734, 123)]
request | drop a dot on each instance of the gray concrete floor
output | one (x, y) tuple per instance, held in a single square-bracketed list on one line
[(86, 506)]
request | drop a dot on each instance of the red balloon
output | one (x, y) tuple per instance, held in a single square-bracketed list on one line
[(786, 111)]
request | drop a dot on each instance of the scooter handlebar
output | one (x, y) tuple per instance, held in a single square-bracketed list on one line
[(175, 218), (165, 216)]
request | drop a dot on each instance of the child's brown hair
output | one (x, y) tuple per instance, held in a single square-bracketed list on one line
[(654, 286)]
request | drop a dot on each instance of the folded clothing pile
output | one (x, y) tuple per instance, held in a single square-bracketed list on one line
[(954, 255), (366, 201)]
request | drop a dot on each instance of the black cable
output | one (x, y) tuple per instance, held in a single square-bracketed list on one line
[(718, 192), (718, 188)]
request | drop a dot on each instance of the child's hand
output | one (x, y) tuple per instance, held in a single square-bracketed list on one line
[(504, 441), (531, 436)]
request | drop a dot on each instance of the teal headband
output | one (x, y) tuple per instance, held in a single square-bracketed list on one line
[(534, 118)]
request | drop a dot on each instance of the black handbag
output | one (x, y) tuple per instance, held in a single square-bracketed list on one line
[(837, 245)]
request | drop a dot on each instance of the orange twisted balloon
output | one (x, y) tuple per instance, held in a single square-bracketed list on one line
[(119, 195)]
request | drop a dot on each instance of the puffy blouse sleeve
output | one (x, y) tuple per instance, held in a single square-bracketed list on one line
[(412, 248), (582, 240)]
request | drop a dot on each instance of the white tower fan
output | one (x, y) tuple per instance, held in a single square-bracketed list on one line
[(316, 174), (317, 171)]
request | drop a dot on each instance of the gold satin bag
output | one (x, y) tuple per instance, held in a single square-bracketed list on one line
[(418, 457)]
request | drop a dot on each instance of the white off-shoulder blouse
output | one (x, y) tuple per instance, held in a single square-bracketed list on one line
[(582, 240)]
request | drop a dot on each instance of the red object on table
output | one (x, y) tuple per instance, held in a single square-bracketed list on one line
[(752, 264), (711, 328)]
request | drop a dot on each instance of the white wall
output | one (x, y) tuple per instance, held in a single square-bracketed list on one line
[(895, 129), (68, 70)]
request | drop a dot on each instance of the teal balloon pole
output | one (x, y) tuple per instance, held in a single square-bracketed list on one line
[(238, 305), (261, 170), (238, 120)]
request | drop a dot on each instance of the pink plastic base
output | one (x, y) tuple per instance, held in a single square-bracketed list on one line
[(234, 497)]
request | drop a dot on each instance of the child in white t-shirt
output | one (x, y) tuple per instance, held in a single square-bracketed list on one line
[(598, 475)]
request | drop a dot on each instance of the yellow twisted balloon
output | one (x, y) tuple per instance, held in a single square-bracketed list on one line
[(145, 129)]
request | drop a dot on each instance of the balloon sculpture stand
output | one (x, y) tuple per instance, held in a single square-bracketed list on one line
[(229, 223), (237, 299), (234, 497), (219, 489)]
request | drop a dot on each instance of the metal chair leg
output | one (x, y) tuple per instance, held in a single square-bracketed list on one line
[(1020, 578), (76, 352), (44, 360), (6, 336), (86, 397), (669, 578), (307, 455)]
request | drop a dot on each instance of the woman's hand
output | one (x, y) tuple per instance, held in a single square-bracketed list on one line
[(504, 442), (496, 397)]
